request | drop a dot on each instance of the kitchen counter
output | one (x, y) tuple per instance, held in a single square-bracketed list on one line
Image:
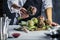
[(32, 35)]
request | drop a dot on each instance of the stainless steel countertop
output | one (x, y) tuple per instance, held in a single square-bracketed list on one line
[(32, 35)]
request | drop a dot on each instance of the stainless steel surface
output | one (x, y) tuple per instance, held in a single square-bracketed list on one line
[(32, 35), (4, 22), (1, 27), (5, 29)]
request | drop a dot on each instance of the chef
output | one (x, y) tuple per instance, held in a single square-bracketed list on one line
[(14, 7), (21, 6)]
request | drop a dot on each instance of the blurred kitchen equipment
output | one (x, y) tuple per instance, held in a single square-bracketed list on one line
[(1, 37), (4, 27), (54, 32), (2, 20)]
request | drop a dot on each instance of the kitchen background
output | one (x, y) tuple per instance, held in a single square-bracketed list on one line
[(1, 2), (56, 10)]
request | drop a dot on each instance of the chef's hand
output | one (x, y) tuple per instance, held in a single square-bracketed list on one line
[(50, 23), (54, 24), (24, 13), (33, 9)]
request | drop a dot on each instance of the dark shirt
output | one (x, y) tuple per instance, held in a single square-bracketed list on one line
[(35, 3)]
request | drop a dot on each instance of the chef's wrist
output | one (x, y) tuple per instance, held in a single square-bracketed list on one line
[(50, 20)]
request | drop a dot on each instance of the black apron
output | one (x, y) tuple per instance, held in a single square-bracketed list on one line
[(35, 3)]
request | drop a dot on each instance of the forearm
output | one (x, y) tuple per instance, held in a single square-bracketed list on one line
[(49, 13), (15, 6)]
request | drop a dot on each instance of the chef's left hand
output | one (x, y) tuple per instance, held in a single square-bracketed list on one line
[(33, 9)]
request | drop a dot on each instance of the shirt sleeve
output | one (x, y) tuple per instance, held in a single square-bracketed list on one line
[(22, 2), (11, 2), (19, 3), (15, 2), (47, 3)]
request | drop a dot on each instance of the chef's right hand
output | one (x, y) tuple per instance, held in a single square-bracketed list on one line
[(24, 13), (54, 24)]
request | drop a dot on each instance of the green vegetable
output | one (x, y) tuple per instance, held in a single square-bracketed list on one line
[(19, 18), (23, 23), (35, 20), (30, 23), (32, 28), (44, 28)]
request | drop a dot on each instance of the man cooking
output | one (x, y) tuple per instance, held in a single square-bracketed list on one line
[(22, 6)]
